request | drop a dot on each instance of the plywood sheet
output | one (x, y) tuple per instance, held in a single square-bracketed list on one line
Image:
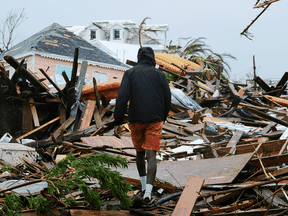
[(214, 171), (111, 141)]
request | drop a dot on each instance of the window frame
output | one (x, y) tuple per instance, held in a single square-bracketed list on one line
[(114, 34), (94, 34)]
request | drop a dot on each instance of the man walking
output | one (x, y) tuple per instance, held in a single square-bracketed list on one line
[(150, 100)]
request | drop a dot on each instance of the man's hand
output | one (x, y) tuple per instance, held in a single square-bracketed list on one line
[(117, 131)]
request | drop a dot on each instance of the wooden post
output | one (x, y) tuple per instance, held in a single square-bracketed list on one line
[(96, 93), (27, 124), (34, 112)]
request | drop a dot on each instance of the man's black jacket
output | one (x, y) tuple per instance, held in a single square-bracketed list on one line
[(147, 90)]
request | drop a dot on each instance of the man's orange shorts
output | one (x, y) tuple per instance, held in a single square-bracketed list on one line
[(146, 136)]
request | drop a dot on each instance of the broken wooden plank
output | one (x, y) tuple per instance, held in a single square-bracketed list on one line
[(27, 124), (84, 212), (62, 113), (194, 128), (230, 208), (264, 115), (72, 83), (262, 84), (283, 171), (174, 129), (89, 110), (34, 112), (51, 81), (180, 123), (218, 199), (234, 140), (96, 93), (265, 3), (189, 196), (267, 194), (269, 161), (33, 79), (283, 80), (268, 127), (271, 147), (38, 128), (111, 141), (183, 115), (63, 127), (97, 118), (233, 90), (284, 147)]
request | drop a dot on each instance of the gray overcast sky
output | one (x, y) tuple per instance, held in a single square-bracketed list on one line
[(220, 22)]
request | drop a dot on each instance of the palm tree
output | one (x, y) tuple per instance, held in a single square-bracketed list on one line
[(217, 62), (197, 51), (193, 48)]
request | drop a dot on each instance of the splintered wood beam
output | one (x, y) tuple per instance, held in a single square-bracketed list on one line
[(27, 124), (97, 118), (63, 127), (265, 3), (262, 84), (252, 185), (34, 112), (62, 113), (283, 80), (89, 110), (268, 127), (283, 147), (233, 90), (189, 196), (96, 93), (265, 116), (132, 63), (39, 128), (51, 81), (234, 140)]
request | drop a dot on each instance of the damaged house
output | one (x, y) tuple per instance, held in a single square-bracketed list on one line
[(52, 49)]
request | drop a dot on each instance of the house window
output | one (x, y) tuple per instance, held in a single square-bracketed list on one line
[(100, 77), (116, 34), (92, 34), (61, 68)]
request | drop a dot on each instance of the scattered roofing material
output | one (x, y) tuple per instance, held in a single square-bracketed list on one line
[(167, 59)]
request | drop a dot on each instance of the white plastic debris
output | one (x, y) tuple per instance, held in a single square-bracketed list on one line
[(216, 94), (6, 138)]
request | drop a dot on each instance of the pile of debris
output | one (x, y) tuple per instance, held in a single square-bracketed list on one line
[(230, 141)]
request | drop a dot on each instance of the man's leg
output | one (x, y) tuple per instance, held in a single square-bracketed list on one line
[(141, 167), (152, 145), (151, 166), (151, 174)]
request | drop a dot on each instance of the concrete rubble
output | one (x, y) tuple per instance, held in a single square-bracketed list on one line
[(223, 148)]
